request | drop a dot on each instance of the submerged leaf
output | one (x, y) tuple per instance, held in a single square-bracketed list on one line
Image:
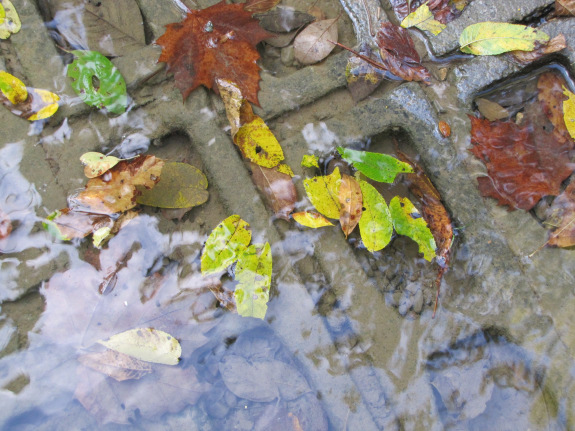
[(116, 365), (314, 43), (375, 225), (29, 103), (423, 19), (11, 22), (311, 219), (350, 199), (362, 77), (258, 144), (323, 192), (310, 161), (492, 38), (376, 166), (408, 221), (98, 82), (283, 19), (181, 186), (97, 163), (146, 344), (277, 187), (225, 244), (254, 277)]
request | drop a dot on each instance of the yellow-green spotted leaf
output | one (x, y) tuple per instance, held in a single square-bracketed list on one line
[(97, 164), (492, 38), (375, 224), (146, 344), (310, 161), (225, 244), (258, 144), (569, 112), (11, 23), (311, 219), (285, 169), (323, 192), (423, 19), (408, 221), (12, 88), (254, 277), (376, 166), (180, 186)]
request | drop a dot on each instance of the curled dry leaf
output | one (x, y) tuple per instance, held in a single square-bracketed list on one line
[(351, 201), (277, 187), (314, 43), (311, 219), (556, 44), (116, 365)]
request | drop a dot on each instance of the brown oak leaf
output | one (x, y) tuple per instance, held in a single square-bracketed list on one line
[(214, 43)]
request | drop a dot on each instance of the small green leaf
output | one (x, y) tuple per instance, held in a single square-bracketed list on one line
[(146, 344), (180, 186), (376, 166), (254, 275), (408, 221), (52, 228), (100, 236), (423, 19), (492, 38), (225, 244), (98, 82), (375, 224), (323, 192), (310, 161)]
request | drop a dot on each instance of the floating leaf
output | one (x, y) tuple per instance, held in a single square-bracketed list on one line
[(29, 103), (569, 112), (556, 44), (350, 199), (284, 19), (146, 344), (423, 19), (492, 38), (116, 365), (12, 88), (254, 277), (277, 187), (256, 6), (375, 224), (225, 244), (98, 82), (323, 192), (11, 22), (314, 43), (311, 219), (376, 166), (258, 144), (181, 186), (97, 163), (408, 221), (310, 161)]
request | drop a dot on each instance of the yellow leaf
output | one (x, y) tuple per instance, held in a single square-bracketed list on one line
[(11, 23), (2, 14), (310, 161), (285, 169), (351, 200), (423, 19), (569, 112), (323, 192), (258, 144), (97, 163), (45, 105), (311, 219), (492, 38), (14, 89)]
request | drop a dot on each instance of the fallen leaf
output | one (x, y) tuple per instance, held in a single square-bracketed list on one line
[(351, 202), (444, 129), (565, 7), (254, 277), (314, 43), (443, 11), (116, 365), (492, 38), (116, 190), (101, 236), (277, 187), (216, 42), (553, 101), (423, 19), (310, 161), (233, 100), (224, 296), (311, 219), (26, 102), (98, 82), (285, 169), (10, 23), (562, 217), (408, 221), (569, 112), (399, 55), (554, 45), (181, 186), (5, 225), (256, 6), (258, 144), (77, 224), (323, 192), (97, 163), (491, 110), (375, 224), (225, 245), (284, 19), (376, 166), (12, 88), (362, 77)]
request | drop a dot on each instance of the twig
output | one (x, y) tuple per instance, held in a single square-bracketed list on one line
[(553, 236), (363, 57)]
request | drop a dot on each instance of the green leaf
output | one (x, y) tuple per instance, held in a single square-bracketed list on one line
[(180, 186), (423, 19), (375, 224), (97, 81), (52, 228), (408, 221), (146, 344), (254, 275), (323, 192), (225, 244), (376, 166), (492, 38), (310, 161)]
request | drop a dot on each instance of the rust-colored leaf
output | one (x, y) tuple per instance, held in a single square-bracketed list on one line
[(218, 42), (444, 129), (562, 216), (565, 7), (551, 97), (258, 6), (5, 225), (399, 55), (116, 191), (443, 11), (554, 45), (351, 200), (277, 187), (116, 365)]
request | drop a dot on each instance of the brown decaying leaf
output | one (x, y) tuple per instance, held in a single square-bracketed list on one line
[(491, 110), (257, 6), (277, 187), (362, 78), (399, 55), (78, 224), (444, 129), (216, 42), (224, 296), (551, 97), (351, 200), (565, 7), (562, 215), (5, 225), (116, 365), (443, 11), (314, 43), (554, 45), (115, 191)]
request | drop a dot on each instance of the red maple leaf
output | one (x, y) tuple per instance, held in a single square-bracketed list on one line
[(214, 43)]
